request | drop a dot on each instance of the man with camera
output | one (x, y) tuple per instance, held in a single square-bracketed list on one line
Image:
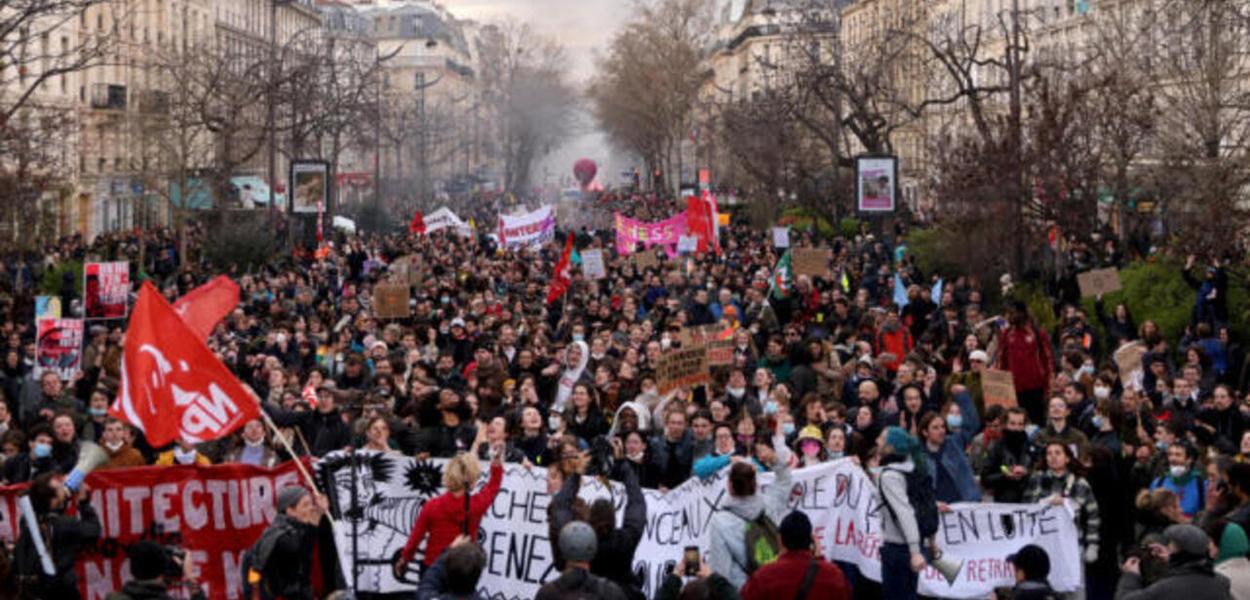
[(157, 574)]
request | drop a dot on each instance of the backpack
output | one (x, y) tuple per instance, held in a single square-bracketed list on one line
[(763, 541), (920, 497)]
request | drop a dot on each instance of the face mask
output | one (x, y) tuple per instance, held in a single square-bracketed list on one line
[(553, 423), (954, 421), (810, 448), (1098, 421), (836, 454), (577, 337), (1102, 393), (1177, 470), (43, 450), (1085, 370), (444, 300), (1162, 446), (736, 392), (635, 457), (113, 446), (787, 428), (184, 457), (257, 444), (1015, 438), (770, 407)]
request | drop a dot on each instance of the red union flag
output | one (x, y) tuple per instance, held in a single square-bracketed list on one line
[(172, 385), (207, 305), (561, 279)]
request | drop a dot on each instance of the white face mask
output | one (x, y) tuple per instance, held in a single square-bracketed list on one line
[(736, 392), (113, 446), (1177, 470), (257, 444), (636, 457), (184, 457), (1102, 393)]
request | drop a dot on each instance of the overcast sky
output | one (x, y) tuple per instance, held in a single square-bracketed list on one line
[(582, 26)]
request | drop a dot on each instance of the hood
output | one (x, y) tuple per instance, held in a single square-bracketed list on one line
[(1233, 543), (576, 370), (748, 507), (644, 417)]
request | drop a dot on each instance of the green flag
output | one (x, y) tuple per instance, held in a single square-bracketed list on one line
[(783, 278)]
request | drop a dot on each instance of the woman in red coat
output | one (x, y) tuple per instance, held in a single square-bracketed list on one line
[(443, 518), (1024, 349)]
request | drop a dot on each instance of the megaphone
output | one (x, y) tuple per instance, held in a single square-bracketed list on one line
[(949, 568), (90, 456)]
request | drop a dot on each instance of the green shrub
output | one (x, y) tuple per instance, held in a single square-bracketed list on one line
[(243, 244), (848, 227), (53, 279), (804, 219)]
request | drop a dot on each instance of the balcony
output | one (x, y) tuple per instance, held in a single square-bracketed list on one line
[(108, 96)]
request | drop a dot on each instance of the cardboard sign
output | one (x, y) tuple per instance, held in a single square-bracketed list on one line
[(781, 237), (646, 260), (1128, 358), (719, 343), (998, 387), (592, 264), (1099, 281), (683, 367), (813, 262), (390, 301)]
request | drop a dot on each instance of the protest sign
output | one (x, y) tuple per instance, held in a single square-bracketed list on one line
[(47, 307), (813, 262), (592, 264), (1098, 281), (533, 228), (214, 513), (646, 260), (838, 497), (998, 387), (682, 367), (390, 301), (1128, 359), (687, 244), (718, 341), (106, 290), (781, 237), (631, 232), (59, 347), (443, 218)]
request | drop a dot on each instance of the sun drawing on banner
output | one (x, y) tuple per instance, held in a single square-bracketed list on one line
[(425, 477)]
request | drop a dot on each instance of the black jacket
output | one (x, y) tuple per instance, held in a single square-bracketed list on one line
[(1195, 580), (325, 432), (615, 557), (577, 584), (64, 537), (1004, 488), (146, 590), (283, 555)]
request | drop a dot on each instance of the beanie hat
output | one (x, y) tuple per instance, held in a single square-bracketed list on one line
[(1189, 540), (289, 496), (147, 560), (1033, 561), (902, 442), (796, 531), (1233, 543), (578, 542)]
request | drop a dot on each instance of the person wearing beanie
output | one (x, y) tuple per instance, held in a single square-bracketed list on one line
[(1231, 560), (1189, 574), (745, 507), (578, 545), (798, 572), (282, 558), (1031, 565), (148, 565), (901, 556)]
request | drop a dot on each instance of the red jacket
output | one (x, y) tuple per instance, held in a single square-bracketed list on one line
[(443, 518), (898, 343), (781, 579), (1026, 353)]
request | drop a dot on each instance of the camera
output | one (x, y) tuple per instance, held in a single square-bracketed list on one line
[(174, 557)]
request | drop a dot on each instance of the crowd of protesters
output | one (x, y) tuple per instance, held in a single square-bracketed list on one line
[(824, 369)]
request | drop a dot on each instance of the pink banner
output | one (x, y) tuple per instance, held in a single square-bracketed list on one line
[(629, 233)]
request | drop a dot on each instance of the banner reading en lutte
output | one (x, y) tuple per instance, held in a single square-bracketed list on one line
[(840, 499), (533, 228), (106, 290), (214, 513), (631, 232)]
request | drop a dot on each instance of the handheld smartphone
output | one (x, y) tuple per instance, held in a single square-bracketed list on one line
[(692, 561)]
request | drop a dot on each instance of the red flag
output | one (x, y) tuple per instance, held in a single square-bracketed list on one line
[(172, 385), (561, 279), (417, 225), (699, 222), (205, 306)]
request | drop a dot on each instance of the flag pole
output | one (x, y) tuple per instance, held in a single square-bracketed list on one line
[(299, 464)]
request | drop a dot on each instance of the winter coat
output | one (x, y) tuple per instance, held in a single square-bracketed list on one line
[(782, 578), (900, 527), (996, 482), (432, 582), (720, 587), (1192, 581), (682, 457), (325, 432), (1027, 354), (954, 459), (63, 537), (1042, 485), (727, 529), (1190, 490), (614, 559), (579, 584)]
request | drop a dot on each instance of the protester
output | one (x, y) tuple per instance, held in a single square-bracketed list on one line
[(150, 565), (1231, 561), (1189, 571), (454, 575), (743, 531), (705, 586), (902, 477), (280, 563), (64, 538), (578, 545), (1031, 566), (798, 572)]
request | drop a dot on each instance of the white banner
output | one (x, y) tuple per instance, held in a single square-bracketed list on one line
[(839, 498), (527, 229), (443, 218)]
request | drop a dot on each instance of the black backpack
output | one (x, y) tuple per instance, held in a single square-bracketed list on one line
[(920, 497)]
